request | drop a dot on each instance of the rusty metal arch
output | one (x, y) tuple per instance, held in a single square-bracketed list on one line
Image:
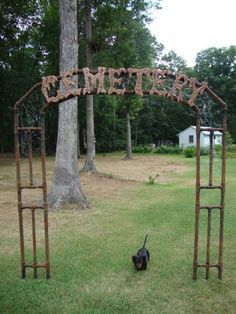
[(94, 84)]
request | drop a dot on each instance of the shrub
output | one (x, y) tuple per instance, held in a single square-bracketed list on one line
[(142, 149), (151, 180), (137, 149), (167, 150), (190, 152), (229, 139), (204, 151), (230, 155), (175, 150), (230, 150), (161, 149), (218, 150)]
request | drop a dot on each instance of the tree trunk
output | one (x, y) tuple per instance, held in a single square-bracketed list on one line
[(78, 142), (114, 128), (89, 164), (128, 133), (66, 186), (136, 133)]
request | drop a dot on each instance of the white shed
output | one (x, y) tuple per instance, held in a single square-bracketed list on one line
[(188, 137)]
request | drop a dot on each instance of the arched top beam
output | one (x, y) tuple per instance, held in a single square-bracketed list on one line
[(77, 82)]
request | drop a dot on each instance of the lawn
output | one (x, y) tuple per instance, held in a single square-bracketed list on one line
[(91, 249)]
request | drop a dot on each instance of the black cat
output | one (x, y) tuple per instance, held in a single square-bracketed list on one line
[(140, 260)]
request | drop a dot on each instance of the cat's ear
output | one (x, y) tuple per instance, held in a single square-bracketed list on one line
[(134, 259)]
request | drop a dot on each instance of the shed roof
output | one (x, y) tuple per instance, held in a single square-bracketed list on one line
[(204, 132)]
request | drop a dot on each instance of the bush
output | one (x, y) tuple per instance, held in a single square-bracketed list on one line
[(142, 149), (151, 180), (230, 150), (204, 151), (190, 152), (174, 150), (161, 149), (167, 150), (218, 150)]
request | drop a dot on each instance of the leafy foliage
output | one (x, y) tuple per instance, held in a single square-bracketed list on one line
[(29, 49), (217, 66), (190, 152), (142, 149), (173, 150), (20, 55)]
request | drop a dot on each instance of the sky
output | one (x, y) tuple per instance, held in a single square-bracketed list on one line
[(190, 26)]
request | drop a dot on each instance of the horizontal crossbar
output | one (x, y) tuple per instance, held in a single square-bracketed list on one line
[(35, 266), (210, 187), (31, 187), (212, 129), (208, 265), (211, 207), (31, 206)]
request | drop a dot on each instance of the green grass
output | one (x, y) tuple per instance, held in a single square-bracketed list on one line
[(91, 255)]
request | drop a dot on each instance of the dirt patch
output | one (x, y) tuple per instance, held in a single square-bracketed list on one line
[(140, 167), (98, 185), (114, 176)]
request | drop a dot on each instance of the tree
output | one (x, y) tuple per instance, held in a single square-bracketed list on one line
[(50, 30), (160, 119), (29, 49), (20, 57), (217, 66), (125, 42), (172, 62), (66, 186), (131, 106), (89, 164)]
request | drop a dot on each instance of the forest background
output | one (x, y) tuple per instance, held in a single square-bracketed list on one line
[(29, 50)]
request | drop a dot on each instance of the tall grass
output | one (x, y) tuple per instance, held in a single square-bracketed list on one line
[(91, 256)]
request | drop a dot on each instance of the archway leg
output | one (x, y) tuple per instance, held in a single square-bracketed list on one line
[(30, 186), (209, 208), (221, 234), (197, 205)]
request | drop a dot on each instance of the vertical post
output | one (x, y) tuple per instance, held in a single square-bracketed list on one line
[(208, 242), (209, 209), (197, 205), (34, 243), (221, 234), (211, 157), (44, 184), (30, 157), (18, 179)]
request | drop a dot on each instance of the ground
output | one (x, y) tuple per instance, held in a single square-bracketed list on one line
[(126, 173), (91, 249), (114, 176)]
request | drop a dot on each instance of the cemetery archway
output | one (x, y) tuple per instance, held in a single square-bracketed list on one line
[(76, 82)]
